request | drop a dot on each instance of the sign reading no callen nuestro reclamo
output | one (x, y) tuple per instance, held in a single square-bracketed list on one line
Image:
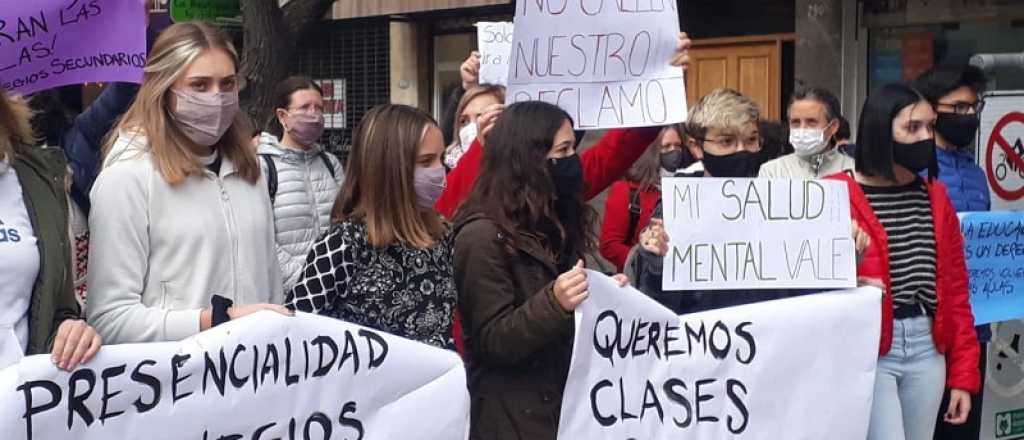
[(605, 63)]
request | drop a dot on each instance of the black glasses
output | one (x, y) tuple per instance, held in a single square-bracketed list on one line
[(964, 108)]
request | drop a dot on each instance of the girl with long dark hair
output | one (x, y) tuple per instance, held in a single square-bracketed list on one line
[(520, 240)]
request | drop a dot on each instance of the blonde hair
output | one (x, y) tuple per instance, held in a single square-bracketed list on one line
[(174, 51), (723, 109), (378, 187), (497, 91), (15, 123)]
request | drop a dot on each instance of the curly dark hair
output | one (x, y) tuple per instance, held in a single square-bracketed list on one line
[(515, 189)]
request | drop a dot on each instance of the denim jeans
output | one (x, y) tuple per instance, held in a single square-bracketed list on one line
[(909, 383)]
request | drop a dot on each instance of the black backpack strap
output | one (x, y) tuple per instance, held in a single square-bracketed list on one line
[(271, 176), (634, 211), (326, 157)]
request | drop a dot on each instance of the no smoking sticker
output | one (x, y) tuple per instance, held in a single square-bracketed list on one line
[(1004, 157)]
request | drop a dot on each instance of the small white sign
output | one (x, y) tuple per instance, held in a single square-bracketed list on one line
[(757, 234), (495, 42)]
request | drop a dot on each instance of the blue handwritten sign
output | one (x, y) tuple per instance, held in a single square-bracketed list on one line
[(994, 246)]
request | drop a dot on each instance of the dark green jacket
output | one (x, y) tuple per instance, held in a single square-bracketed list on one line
[(41, 172)]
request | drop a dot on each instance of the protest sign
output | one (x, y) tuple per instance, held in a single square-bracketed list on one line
[(495, 42), (799, 368), (606, 63), (263, 377), (757, 234), (51, 43), (1002, 408), (994, 248)]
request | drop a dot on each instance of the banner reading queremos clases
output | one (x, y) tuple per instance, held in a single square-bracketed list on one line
[(264, 377), (800, 368)]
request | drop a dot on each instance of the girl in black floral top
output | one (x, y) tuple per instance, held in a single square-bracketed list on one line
[(386, 262)]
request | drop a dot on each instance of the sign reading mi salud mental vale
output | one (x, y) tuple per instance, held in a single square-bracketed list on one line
[(800, 368), (604, 62), (262, 377), (757, 234)]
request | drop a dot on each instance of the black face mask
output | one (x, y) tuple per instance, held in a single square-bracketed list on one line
[(672, 160), (915, 157), (957, 129), (742, 164), (567, 175)]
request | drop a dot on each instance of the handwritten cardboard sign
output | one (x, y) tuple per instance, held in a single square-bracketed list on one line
[(994, 247), (639, 371), (495, 42), (266, 376), (606, 63), (757, 234), (51, 43)]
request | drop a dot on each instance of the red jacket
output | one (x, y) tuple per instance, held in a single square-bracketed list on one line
[(603, 164), (953, 327), (616, 239)]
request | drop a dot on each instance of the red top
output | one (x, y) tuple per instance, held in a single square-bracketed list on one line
[(953, 327), (616, 240), (603, 164)]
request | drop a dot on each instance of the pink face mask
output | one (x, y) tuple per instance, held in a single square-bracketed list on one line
[(305, 128), (205, 117), (428, 183)]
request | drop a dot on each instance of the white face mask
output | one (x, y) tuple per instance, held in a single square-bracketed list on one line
[(467, 134), (807, 142)]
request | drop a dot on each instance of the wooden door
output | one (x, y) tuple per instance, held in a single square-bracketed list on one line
[(751, 65)]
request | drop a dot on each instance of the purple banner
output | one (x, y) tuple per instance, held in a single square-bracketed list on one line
[(51, 43)]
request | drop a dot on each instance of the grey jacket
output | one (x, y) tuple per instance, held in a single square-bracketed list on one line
[(303, 201), (792, 166)]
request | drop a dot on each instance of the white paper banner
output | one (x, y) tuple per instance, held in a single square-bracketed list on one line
[(757, 234), (605, 63), (263, 377), (495, 42), (799, 368)]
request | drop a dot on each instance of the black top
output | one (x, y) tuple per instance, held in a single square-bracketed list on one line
[(906, 214), (398, 289)]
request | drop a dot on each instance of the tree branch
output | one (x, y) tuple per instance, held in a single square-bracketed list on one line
[(301, 16), (272, 35), (266, 41)]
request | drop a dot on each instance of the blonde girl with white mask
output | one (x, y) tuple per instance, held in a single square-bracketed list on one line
[(181, 223)]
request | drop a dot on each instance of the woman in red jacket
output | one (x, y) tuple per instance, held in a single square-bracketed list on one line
[(631, 201), (928, 338)]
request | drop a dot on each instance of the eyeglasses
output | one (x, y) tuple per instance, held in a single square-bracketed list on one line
[(964, 108), (733, 143), (308, 109)]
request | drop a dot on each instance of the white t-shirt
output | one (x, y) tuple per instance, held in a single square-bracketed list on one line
[(19, 262)]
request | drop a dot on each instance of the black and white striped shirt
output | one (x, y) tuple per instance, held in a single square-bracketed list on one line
[(906, 214)]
